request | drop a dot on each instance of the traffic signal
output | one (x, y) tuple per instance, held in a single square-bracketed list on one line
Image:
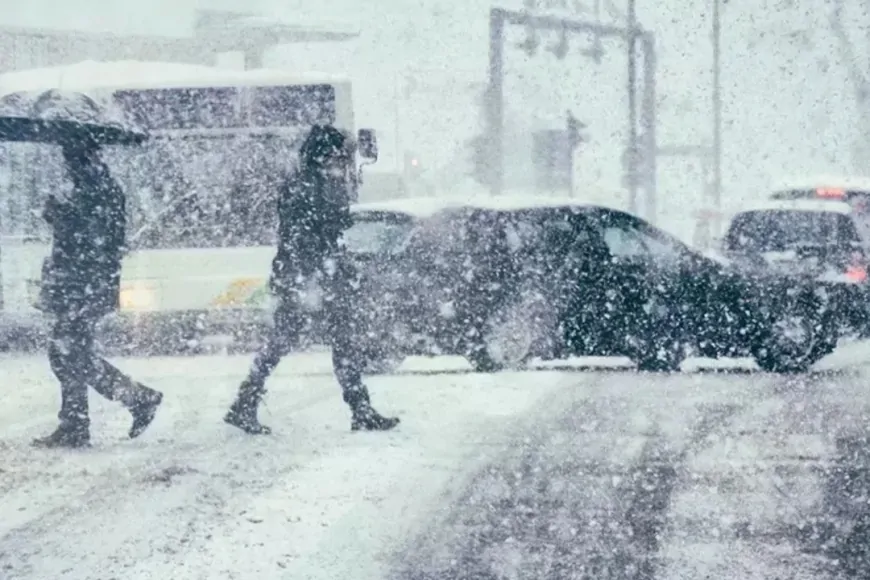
[(575, 128)]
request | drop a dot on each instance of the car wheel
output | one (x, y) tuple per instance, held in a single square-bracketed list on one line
[(798, 336), (510, 336)]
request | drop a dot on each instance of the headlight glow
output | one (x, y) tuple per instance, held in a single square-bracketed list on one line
[(138, 297)]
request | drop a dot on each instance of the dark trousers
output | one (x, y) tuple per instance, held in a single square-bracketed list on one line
[(77, 366), (344, 333)]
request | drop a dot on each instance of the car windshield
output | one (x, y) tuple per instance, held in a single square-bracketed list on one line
[(377, 233), (782, 230)]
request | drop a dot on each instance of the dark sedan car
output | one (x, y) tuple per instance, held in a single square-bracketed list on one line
[(503, 280)]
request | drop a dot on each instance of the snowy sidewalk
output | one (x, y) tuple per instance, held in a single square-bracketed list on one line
[(194, 498)]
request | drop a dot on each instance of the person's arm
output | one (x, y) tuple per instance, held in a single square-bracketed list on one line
[(57, 212)]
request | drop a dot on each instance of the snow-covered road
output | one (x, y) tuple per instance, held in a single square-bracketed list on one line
[(697, 475), (687, 477)]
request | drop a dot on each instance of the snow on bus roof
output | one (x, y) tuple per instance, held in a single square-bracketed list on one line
[(853, 183), (423, 207), (133, 74)]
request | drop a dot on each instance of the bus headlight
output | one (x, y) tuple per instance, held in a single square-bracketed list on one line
[(138, 297)]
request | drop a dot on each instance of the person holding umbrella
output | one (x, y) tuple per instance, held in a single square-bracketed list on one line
[(81, 277), (313, 212), (80, 286)]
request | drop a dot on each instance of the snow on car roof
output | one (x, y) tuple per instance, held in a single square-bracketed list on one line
[(806, 205), (853, 183), (422, 207), (133, 74), (417, 207)]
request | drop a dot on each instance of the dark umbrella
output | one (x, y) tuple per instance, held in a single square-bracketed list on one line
[(63, 117)]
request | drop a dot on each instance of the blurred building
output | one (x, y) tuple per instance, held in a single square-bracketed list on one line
[(214, 33)]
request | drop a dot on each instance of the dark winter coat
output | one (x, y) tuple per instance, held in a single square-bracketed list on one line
[(81, 277), (313, 212)]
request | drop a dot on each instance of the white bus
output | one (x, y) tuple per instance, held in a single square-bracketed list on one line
[(201, 203)]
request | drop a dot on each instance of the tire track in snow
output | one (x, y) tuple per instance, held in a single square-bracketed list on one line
[(840, 530), (584, 498), (775, 497)]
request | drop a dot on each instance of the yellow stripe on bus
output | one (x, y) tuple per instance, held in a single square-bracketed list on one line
[(238, 292)]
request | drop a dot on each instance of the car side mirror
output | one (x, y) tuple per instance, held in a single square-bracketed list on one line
[(367, 144)]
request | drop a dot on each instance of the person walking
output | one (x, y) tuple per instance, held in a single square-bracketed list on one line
[(313, 212), (80, 286)]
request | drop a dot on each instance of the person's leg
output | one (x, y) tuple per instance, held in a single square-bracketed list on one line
[(66, 353), (111, 383), (346, 332), (282, 338)]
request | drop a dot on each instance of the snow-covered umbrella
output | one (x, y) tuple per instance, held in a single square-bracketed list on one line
[(65, 117)]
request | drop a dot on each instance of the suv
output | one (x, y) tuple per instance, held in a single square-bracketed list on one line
[(806, 240), (503, 280)]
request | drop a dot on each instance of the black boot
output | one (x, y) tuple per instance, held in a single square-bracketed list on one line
[(243, 412), (365, 418), (69, 435), (144, 409)]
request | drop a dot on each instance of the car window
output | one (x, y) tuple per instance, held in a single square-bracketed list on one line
[(782, 230), (628, 237), (527, 231), (460, 235), (443, 233), (623, 242), (373, 235), (661, 246)]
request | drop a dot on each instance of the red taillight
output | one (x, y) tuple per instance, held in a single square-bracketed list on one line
[(856, 273), (831, 192)]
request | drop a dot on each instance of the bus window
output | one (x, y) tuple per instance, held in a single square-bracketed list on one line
[(24, 191), (204, 193), (182, 108), (289, 106)]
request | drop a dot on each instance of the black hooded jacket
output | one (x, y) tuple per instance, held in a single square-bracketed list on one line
[(313, 209), (82, 275)]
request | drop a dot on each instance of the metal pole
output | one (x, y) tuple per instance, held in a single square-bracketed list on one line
[(632, 109), (398, 136), (648, 122), (495, 101), (717, 109), (572, 168)]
